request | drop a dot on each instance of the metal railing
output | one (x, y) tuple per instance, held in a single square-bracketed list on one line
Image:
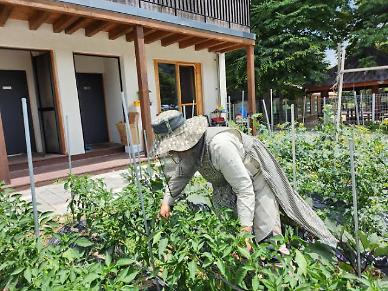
[(228, 11)]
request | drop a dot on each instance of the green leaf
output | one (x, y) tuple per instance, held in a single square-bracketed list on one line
[(255, 283), (192, 266), (108, 259), (244, 252), (130, 277), (157, 237), (221, 267), (242, 273), (83, 242), (71, 254), (381, 251), (91, 277), (162, 246), (227, 251), (17, 271), (124, 262), (27, 274), (301, 261)]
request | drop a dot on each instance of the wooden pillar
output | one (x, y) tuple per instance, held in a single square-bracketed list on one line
[(251, 79), (142, 79), (251, 83), (4, 168)]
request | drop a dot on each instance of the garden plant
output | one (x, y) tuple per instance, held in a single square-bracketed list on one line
[(102, 244)]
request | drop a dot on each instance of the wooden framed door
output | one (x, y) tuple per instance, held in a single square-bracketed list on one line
[(179, 86)]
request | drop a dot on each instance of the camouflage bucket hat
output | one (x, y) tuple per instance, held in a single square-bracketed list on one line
[(174, 133)]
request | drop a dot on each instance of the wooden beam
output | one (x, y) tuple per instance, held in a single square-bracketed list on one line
[(5, 12), (131, 36), (38, 19), (230, 49), (147, 31), (205, 44), (119, 31), (221, 46), (157, 35), (4, 168), (174, 38), (80, 23), (142, 79), (64, 22), (60, 7), (95, 27), (251, 79), (189, 42)]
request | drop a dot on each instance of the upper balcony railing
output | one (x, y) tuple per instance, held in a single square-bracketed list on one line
[(227, 13)]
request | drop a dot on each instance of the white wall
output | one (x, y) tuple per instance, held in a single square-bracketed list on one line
[(16, 34), (208, 60), (21, 61)]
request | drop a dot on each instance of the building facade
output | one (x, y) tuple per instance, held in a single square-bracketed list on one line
[(74, 59)]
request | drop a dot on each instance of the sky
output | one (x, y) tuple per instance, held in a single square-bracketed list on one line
[(331, 57)]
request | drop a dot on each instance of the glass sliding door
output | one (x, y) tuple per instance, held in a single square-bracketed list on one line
[(179, 87)]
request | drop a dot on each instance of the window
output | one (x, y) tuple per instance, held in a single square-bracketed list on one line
[(179, 87)]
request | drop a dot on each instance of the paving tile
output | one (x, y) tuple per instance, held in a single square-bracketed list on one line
[(55, 198)]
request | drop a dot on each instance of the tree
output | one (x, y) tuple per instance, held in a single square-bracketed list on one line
[(369, 31), (292, 36)]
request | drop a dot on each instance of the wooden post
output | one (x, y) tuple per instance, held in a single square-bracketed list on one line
[(251, 79), (251, 82), (4, 168), (142, 79)]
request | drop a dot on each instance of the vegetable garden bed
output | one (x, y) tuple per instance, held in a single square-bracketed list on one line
[(102, 244)]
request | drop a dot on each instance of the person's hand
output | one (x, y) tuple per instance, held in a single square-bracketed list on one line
[(165, 210), (248, 241)]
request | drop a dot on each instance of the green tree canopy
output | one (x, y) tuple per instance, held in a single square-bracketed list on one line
[(369, 30), (293, 35)]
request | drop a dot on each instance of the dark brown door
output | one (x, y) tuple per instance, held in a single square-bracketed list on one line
[(92, 107), (13, 87)]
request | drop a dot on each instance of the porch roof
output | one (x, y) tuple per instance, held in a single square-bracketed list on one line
[(120, 20)]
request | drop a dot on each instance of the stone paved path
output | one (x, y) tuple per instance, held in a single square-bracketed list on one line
[(55, 198)]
